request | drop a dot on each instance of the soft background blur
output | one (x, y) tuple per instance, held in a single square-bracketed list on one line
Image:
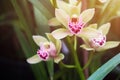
[(12, 59), (18, 22)]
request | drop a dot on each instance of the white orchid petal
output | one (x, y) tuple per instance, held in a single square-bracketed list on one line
[(104, 28), (63, 5), (34, 59), (59, 58), (86, 47), (79, 6), (87, 15), (93, 26), (38, 39), (61, 33), (109, 45), (53, 22), (62, 17), (73, 2)]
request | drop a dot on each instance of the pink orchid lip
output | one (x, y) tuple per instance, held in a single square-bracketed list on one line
[(99, 41), (49, 47), (75, 24), (44, 55)]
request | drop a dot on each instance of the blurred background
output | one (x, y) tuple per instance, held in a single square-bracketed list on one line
[(13, 64), (19, 20)]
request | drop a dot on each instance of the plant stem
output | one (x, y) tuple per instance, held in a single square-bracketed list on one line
[(77, 64), (89, 61), (75, 43), (67, 66)]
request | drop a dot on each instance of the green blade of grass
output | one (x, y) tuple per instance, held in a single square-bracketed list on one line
[(41, 21), (38, 69), (41, 7), (50, 67), (105, 69)]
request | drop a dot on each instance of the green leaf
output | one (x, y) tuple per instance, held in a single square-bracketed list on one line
[(44, 9), (105, 69), (50, 67), (38, 69), (41, 21)]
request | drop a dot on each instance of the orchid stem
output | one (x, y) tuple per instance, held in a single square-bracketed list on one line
[(77, 64), (89, 61), (67, 66), (75, 42)]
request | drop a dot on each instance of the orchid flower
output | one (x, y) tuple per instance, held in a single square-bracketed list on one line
[(95, 39), (48, 49), (70, 15)]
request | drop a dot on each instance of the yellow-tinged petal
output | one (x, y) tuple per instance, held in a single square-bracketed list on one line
[(109, 45), (63, 5), (88, 32), (79, 6), (103, 1), (71, 8), (59, 58), (34, 59), (92, 26), (58, 46), (75, 10), (87, 15), (73, 2), (55, 41), (53, 2), (50, 37), (53, 22), (62, 17), (86, 47), (61, 33), (38, 39), (104, 28)]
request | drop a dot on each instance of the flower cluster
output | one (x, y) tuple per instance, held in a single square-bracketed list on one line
[(48, 50), (70, 15), (73, 23)]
